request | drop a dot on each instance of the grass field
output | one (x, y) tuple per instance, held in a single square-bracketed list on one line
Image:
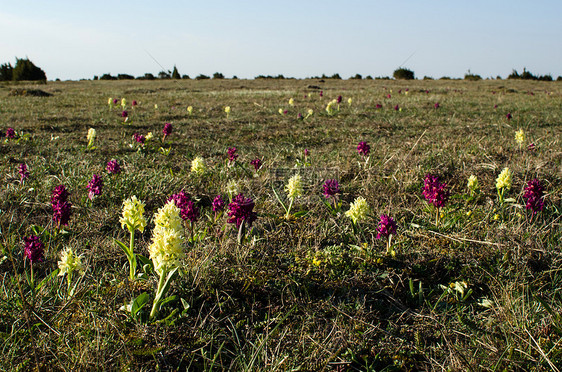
[(474, 285)]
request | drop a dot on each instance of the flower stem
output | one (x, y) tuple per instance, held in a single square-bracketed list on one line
[(156, 303), (132, 263)]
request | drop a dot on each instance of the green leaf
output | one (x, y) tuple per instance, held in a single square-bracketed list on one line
[(138, 304), (166, 286), (125, 249), (47, 279), (172, 298)]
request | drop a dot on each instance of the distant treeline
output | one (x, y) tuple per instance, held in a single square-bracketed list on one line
[(399, 74), (24, 69)]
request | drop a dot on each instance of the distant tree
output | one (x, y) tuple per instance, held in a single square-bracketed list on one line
[(6, 72), (218, 75), (125, 77), (201, 77), (175, 73), (164, 75), (403, 74), (107, 77), (26, 70), (147, 76), (472, 77)]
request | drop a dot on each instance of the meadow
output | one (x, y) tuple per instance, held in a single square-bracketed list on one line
[(452, 278)]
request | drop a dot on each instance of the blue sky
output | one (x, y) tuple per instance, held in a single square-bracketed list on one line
[(246, 38)]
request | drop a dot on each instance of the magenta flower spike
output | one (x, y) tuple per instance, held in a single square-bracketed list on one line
[(387, 226), (435, 193), (22, 170), (232, 155), (61, 206), (534, 195), (10, 133), (363, 148), (188, 210), (95, 186), (33, 249), (330, 188), (257, 163), (139, 138), (167, 130), (240, 210), (218, 204), (113, 167)]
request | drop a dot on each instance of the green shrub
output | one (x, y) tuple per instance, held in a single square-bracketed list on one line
[(26, 70), (472, 77), (403, 74)]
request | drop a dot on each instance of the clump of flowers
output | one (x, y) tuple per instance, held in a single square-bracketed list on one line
[(256, 163), (61, 206), (503, 183), (472, 184), (23, 172), (95, 186), (10, 133), (534, 196), (358, 210), (387, 228), (132, 219), (91, 138), (435, 192), (241, 212), (113, 167), (520, 137), (167, 130), (232, 155), (68, 264), (33, 249), (198, 165), (166, 250)]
